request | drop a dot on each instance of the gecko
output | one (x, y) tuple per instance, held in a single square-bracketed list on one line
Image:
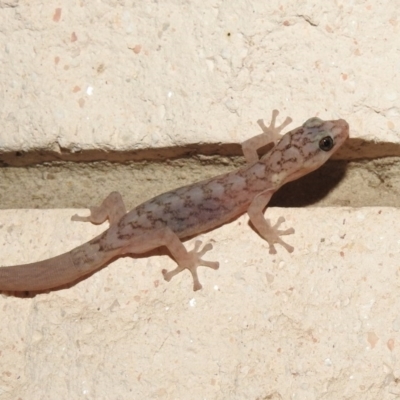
[(190, 210)]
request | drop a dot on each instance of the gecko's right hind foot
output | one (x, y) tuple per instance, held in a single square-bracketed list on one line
[(192, 262)]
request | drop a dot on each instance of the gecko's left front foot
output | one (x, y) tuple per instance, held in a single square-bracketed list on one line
[(272, 131), (271, 134), (191, 262)]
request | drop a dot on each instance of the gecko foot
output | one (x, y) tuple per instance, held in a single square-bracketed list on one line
[(272, 130), (275, 237), (271, 135), (191, 262), (112, 208)]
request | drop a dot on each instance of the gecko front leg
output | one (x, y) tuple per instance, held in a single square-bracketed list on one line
[(271, 134), (270, 233), (112, 208)]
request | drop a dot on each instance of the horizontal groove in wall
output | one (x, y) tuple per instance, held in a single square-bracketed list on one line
[(374, 182), (353, 149)]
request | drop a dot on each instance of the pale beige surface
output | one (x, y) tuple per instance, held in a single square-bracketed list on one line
[(132, 75), (322, 322)]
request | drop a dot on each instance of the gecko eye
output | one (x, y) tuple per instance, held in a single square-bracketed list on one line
[(326, 143)]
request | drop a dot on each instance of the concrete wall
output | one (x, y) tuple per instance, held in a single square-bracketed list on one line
[(110, 81)]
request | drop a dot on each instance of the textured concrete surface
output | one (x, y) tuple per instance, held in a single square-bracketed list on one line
[(153, 80), (127, 75), (320, 323)]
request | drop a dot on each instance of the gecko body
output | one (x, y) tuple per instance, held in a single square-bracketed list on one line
[(166, 219)]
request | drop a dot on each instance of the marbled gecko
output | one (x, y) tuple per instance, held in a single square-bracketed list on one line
[(166, 219)]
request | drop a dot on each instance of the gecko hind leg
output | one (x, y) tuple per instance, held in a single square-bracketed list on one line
[(191, 262), (112, 208)]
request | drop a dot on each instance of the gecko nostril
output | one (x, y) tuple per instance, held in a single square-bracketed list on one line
[(326, 143)]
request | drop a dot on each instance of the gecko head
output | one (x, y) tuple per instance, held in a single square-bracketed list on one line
[(321, 139), (308, 147)]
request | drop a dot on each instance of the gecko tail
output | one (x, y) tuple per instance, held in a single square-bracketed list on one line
[(42, 275)]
